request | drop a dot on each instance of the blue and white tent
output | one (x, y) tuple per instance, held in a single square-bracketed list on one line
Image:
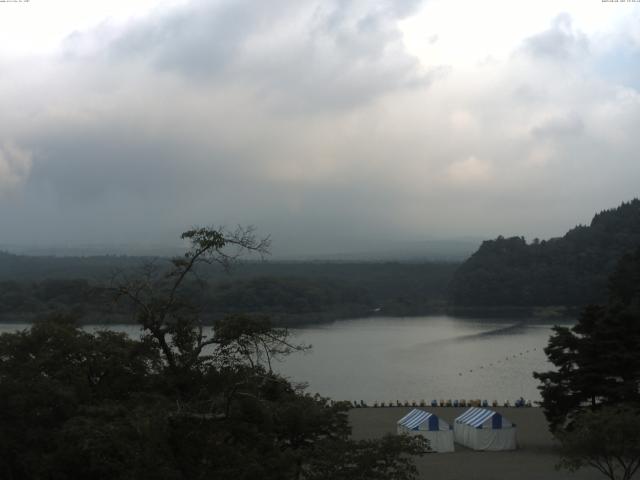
[(428, 425), (482, 429)]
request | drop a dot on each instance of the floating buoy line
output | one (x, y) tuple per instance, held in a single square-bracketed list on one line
[(506, 359), (519, 403)]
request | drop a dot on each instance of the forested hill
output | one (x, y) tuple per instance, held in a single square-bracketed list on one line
[(571, 270)]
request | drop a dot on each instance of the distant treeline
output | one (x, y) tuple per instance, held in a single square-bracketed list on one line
[(291, 293), (571, 270)]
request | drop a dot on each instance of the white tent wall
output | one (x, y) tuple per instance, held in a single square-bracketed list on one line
[(486, 436), (461, 434), (494, 440), (440, 440)]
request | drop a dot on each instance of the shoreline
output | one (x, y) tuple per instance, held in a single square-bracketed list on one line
[(311, 319)]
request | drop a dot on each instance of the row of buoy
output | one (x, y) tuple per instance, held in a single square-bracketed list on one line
[(506, 359), (521, 402)]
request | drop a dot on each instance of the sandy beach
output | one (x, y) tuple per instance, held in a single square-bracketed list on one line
[(535, 458)]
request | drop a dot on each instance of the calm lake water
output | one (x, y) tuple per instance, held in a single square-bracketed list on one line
[(413, 358)]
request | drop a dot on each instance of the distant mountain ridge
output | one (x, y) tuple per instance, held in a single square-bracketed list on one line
[(433, 250), (36, 268), (571, 270), (453, 249)]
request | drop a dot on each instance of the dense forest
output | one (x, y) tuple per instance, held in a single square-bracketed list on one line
[(291, 292), (571, 270)]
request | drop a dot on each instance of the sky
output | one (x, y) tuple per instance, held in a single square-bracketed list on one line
[(331, 125)]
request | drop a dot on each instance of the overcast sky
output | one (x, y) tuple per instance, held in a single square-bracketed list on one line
[(331, 125)]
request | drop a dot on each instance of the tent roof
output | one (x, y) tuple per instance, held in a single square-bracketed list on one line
[(475, 416), (415, 418)]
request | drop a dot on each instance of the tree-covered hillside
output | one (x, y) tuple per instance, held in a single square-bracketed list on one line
[(571, 270)]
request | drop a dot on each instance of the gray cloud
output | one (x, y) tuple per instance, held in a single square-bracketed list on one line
[(295, 54), (304, 119), (200, 39), (559, 127), (560, 42), (15, 166)]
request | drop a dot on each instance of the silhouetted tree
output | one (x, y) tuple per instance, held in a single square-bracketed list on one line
[(180, 403), (598, 360)]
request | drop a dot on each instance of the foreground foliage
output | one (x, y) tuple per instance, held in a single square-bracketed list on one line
[(592, 398), (181, 402), (607, 439)]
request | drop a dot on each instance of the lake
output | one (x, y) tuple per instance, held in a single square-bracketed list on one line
[(413, 358)]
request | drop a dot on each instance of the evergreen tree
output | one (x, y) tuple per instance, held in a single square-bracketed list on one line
[(598, 360)]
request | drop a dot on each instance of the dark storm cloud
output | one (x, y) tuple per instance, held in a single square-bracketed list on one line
[(108, 184), (84, 164)]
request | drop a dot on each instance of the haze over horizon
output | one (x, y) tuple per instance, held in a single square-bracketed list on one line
[(331, 126)]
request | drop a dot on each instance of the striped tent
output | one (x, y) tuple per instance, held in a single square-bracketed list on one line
[(428, 425), (482, 429)]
